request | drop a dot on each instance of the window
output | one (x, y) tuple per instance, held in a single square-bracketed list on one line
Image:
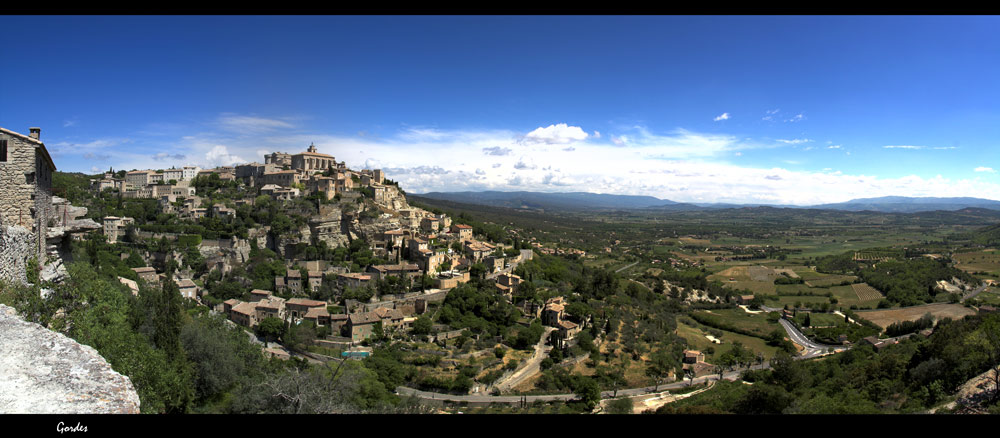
[(3, 150)]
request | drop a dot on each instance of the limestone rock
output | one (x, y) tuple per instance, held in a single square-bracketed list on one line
[(44, 372)]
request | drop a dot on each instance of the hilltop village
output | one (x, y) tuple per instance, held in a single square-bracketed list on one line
[(416, 256)]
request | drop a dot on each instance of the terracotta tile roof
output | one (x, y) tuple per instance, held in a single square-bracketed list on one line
[(245, 308), (306, 302)]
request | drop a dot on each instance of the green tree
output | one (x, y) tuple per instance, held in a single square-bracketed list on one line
[(660, 366), (271, 328)]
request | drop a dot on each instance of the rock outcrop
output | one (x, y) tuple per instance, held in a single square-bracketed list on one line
[(44, 372)]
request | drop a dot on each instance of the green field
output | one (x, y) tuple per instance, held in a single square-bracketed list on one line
[(755, 323), (696, 340)]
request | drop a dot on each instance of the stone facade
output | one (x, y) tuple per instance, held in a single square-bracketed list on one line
[(26, 186), (311, 161)]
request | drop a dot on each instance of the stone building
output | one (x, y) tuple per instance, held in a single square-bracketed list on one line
[(114, 227), (312, 161), (26, 185), (279, 159)]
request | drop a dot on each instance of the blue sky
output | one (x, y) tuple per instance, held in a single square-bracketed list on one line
[(795, 110)]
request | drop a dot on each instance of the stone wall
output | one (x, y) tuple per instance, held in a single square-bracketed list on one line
[(25, 189), (44, 372), (16, 248)]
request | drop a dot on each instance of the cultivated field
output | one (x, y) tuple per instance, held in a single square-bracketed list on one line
[(830, 280), (693, 241), (978, 261), (866, 292), (788, 271), (884, 318)]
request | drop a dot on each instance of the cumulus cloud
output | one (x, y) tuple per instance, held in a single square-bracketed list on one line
[(220, 156), (796, 118), (556, 134), (985, 169), (496, 165), (597, 134), (795, 141), (569, 149), (497, 150), (525, 163), (724, 116)]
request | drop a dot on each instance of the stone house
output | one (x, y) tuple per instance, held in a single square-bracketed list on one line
[(361, 325), (693, 356), (430, 225), (318, 315), (188, 173), (354, 280), (744, 300), (26, 186), (173, 174), (259, 294), (553, 312), (147, 274), (408, 269), (272, 307), (137, 179), (299, 307), (187, 288), (244, 314), (291, 281), (279, 159), (115, 227), (464, 231), (315, 280), (493, 264)]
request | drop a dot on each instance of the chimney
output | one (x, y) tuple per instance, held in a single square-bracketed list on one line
[(35, 133)]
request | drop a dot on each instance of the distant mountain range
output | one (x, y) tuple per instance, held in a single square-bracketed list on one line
[(582, 201)]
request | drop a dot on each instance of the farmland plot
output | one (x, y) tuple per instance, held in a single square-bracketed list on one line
[(884, 318), (866, 292)]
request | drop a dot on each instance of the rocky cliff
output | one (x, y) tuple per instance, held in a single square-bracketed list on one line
[(44, 372)]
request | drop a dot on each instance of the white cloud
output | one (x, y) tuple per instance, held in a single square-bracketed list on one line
[(833, 146), (985, 169), (680, 165), (251, 124), (769, 115), (219, 156), (905, 147), (556, 134), (795, 141), (724, 116), (597, 134), (796, 118)]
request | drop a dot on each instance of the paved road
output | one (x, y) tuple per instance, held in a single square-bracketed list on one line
[(531, 367), (514, 399), (626, 267), (975, 292)]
